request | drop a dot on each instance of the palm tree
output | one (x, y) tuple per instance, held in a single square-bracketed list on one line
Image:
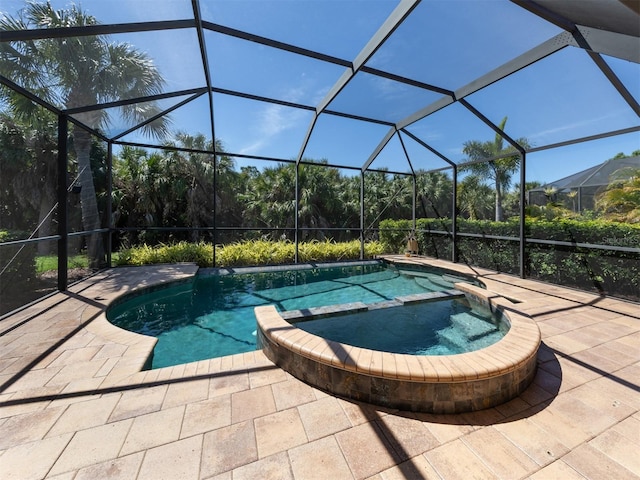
[(499, 171), (386, 197), (192, 182), (552, 195), (75, 72), (193, 178), (620, 201), (270, 202), (434, 194), (474, 198), (137, 200), (321, 194), (572, 195)]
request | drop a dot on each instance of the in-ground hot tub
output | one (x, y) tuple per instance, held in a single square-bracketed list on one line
[(423, 383)]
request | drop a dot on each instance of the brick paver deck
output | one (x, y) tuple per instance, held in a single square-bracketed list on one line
[(75, 405)]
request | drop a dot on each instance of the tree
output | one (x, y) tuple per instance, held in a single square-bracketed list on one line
[(137, 188), (323, 199), (326, 199), (620, 155), (192, 188), (79, 71), (28, 166), (500, 170), (434, 192), (195, 173), (386, 197), (620, 201), (270, 199), (474, 198)]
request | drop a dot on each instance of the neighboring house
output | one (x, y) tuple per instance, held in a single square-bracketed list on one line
[(586, 184)]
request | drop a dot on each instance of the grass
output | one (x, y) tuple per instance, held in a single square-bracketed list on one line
[(47, 263)]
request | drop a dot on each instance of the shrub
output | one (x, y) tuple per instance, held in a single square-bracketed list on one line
[(246, 253), (199, 253), (255, 252)]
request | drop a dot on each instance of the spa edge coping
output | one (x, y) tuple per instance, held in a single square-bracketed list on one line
[(517, 349)]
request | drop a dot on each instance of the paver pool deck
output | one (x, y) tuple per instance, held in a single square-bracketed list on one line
[(74, 403)]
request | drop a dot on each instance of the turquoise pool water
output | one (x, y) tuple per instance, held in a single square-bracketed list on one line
[(440, 327), (213, 315)]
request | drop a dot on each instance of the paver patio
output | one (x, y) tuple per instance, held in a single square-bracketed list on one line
[(74, 403)]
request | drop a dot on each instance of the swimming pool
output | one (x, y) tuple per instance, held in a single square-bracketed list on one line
[(213, 315)]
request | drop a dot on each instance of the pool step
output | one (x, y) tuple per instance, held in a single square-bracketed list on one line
[(456, 340), (473, 325), (429, 282), (488, 339), (451, 338), (428, 296), (468, 327), (444, 279), (417, 273), (426, 279)]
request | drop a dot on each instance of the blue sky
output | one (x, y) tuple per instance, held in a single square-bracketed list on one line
[(444, 43)]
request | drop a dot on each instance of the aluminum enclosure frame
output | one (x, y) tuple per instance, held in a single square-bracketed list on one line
[(594, 41)]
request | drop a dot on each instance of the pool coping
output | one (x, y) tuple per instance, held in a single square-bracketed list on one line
[(139, 347)]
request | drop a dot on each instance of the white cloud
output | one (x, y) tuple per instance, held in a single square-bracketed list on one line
[(270, 123), (273, 121), (389, 89), (579, 125)]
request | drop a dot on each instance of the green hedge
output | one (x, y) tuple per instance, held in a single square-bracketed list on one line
[(615, 273), (250, 252)]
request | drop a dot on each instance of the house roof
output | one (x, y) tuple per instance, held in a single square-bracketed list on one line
[(594, 176)]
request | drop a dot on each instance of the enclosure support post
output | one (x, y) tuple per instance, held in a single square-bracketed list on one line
[(362, 215), (109, 200), (413, 206), (523, 250), (63, 246), (297, 212), (215, 201), (579, 199), (195, 5), (454, 217)]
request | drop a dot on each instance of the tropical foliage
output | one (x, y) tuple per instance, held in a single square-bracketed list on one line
[(28, 157), (497, 171), (175, 189), (79, 71), (620, 201), (170, 188)]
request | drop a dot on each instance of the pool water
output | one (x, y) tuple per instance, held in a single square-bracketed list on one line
[(441, 327), (213, 315)]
